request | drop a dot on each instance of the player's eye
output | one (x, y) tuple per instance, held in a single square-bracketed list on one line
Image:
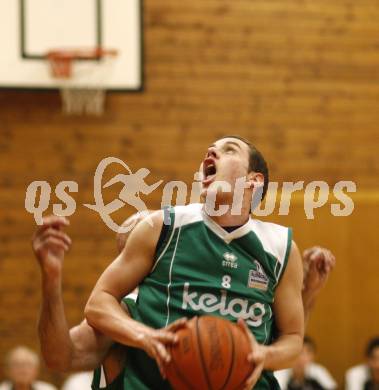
[(229, 149)]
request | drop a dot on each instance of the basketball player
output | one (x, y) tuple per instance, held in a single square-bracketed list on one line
[(228, 265), (79, 342), (81, 347)]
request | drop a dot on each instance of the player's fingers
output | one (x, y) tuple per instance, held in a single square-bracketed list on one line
[(53, 220), (166, 337), (307, 252), (155, 355), (312, 265), (49, 221), (176, 325), (327, 267), (51, 232), (330, 259), (162, 351), (52, 243), (254, 376), (55, 243), (242, 324), (256, 358), (329, 262), (317, 254)]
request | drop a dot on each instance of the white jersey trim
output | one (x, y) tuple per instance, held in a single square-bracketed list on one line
[(274, 239), (170, 278), (185, 215), (228, 237), (164, 251)]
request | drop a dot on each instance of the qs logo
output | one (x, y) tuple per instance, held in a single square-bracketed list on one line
[(133, 185)]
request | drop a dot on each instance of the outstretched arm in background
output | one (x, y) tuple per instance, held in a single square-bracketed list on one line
[(318, 262), (80, 348)]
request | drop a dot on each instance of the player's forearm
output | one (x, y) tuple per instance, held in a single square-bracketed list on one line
[(56, 346), (283, 352), (105, 314), (308, 304)]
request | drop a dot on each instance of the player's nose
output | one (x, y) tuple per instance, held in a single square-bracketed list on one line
[(212, 152)]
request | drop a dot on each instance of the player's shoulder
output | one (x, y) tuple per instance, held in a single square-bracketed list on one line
[(268, 228), (275, 239), (185, 215), (270, 233)]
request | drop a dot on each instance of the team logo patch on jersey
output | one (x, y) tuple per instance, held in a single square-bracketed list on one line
[(230, 260), (257, 278)]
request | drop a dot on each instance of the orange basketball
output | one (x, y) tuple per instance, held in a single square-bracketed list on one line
[(211, 354)]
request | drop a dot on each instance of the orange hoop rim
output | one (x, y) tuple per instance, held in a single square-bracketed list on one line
[(61, 59)]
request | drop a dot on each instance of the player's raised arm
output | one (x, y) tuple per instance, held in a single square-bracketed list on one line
[(80, 348), (318, 263), (103, 310)]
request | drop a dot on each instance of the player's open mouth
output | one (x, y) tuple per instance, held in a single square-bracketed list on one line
[(209, 170)]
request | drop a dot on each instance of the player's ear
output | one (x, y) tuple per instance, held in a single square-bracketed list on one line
[(255, 180)]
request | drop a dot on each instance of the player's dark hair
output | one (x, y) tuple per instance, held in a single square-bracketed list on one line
[(372, 344), (310, 343), (257, 163)]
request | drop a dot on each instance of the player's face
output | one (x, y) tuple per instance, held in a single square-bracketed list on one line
[(226, 160)]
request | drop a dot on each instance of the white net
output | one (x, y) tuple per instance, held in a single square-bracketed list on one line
[(82, 101), (83, 92)]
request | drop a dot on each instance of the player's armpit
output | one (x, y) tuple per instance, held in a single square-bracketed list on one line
[(289, 315)]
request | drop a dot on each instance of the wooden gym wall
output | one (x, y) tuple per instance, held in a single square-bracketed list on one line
[(299, 78)]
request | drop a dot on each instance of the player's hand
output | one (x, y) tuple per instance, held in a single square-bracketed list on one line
[(155, 341), (256, 358), (50, 243), (318, 263)]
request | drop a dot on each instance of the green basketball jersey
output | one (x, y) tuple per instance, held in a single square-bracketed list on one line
[(201, 269)]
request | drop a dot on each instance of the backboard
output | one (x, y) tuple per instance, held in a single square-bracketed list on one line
[(29, 29)]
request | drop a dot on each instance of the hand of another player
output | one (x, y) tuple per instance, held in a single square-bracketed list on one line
[(318, 263), (50, 243), (155, 341), (256, 358)]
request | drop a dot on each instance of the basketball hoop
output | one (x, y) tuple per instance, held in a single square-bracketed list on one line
[(82, 90)]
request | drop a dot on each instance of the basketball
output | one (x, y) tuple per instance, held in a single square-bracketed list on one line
[(211, 354)]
